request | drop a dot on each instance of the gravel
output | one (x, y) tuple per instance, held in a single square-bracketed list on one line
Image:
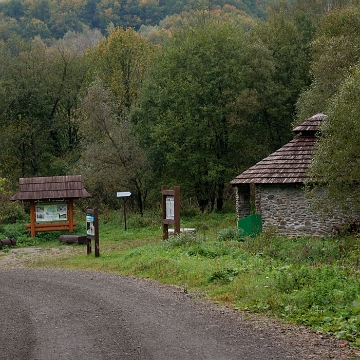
[(52, 314)]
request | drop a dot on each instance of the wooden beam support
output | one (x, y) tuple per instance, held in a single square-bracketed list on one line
[(32, 219), (71, 214)]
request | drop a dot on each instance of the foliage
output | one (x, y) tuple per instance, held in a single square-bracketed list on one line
[(335, 168), (224, 276), (182, 239), (219, 97), (195, 92), (286, 36), (161, 33), (229, 234), (235, 95), (334, 91), (333, 55), (10, 212), (321, 7), (39, 89), (111, 157), (53, 19)]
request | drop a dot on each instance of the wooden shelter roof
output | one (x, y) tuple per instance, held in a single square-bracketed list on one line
[(288, 164), (51, 188)]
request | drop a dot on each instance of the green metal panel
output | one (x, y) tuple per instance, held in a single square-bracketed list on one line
[(250, 225)]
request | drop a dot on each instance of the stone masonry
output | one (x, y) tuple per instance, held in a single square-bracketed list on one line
[(285, 207)]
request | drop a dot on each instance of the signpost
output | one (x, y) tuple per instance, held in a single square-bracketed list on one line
[(170, 210), (124, 195), (92, 230)]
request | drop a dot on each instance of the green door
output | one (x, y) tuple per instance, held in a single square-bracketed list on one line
[(250, 225)]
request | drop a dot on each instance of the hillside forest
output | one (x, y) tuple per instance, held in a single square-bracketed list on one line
[(134, 94)]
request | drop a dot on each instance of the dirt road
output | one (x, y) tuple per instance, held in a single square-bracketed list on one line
[(53, 315)]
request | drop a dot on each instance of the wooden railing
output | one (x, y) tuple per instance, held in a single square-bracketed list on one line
[(56, 226)]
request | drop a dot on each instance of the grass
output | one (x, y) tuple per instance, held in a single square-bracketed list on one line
[(308, 281)]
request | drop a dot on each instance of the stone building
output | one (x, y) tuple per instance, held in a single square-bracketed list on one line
[(274, 188)]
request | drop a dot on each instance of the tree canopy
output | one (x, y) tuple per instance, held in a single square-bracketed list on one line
[(335, 169), (53, 19), (219, 91), (111, 158), (39, 94), (208, 100), (332, 55), (335, 92)]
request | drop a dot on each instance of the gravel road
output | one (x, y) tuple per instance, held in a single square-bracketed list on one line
[(54, 315)]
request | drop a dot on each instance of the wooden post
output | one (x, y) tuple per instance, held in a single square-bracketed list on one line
[(92, 230), (165, 225), (124, 213), (32, 218), (71, 215), (96, 224), (176, 210), (175, 219)]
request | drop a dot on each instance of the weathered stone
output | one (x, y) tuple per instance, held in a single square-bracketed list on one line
[(286, 207)]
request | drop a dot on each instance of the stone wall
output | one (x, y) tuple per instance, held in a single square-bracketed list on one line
[(285, 207), (242, 195)]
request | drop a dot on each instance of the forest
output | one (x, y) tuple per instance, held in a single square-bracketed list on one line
[(133, 95), (53, 19)]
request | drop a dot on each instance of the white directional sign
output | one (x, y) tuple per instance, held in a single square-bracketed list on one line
[(123, 193)]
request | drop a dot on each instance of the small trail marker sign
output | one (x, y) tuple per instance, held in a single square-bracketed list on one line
[(120, 194)]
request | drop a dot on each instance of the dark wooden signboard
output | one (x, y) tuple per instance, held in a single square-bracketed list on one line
[(170, 210)]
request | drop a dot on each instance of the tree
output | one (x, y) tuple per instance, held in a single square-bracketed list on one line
[(333, 54), (121, 61), (111, 153), (286, 36), (188, 110), (335, 169), (321, 7), (219, 91), (40, 86)]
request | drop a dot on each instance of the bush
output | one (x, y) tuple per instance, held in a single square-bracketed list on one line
[(11, 212), (229, 234), (182, 239)]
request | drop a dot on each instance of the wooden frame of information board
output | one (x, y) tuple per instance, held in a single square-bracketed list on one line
[(170, 210)]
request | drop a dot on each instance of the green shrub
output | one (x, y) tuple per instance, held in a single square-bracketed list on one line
[(223, 276), (207, 250), (229, 234), (11, 212), (182, 239)]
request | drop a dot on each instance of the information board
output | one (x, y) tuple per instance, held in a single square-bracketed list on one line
[(170, 207), (46, 212), (90, 228)]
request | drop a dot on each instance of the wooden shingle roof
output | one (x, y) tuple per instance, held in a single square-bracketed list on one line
[(288, 164), (50, 188)]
